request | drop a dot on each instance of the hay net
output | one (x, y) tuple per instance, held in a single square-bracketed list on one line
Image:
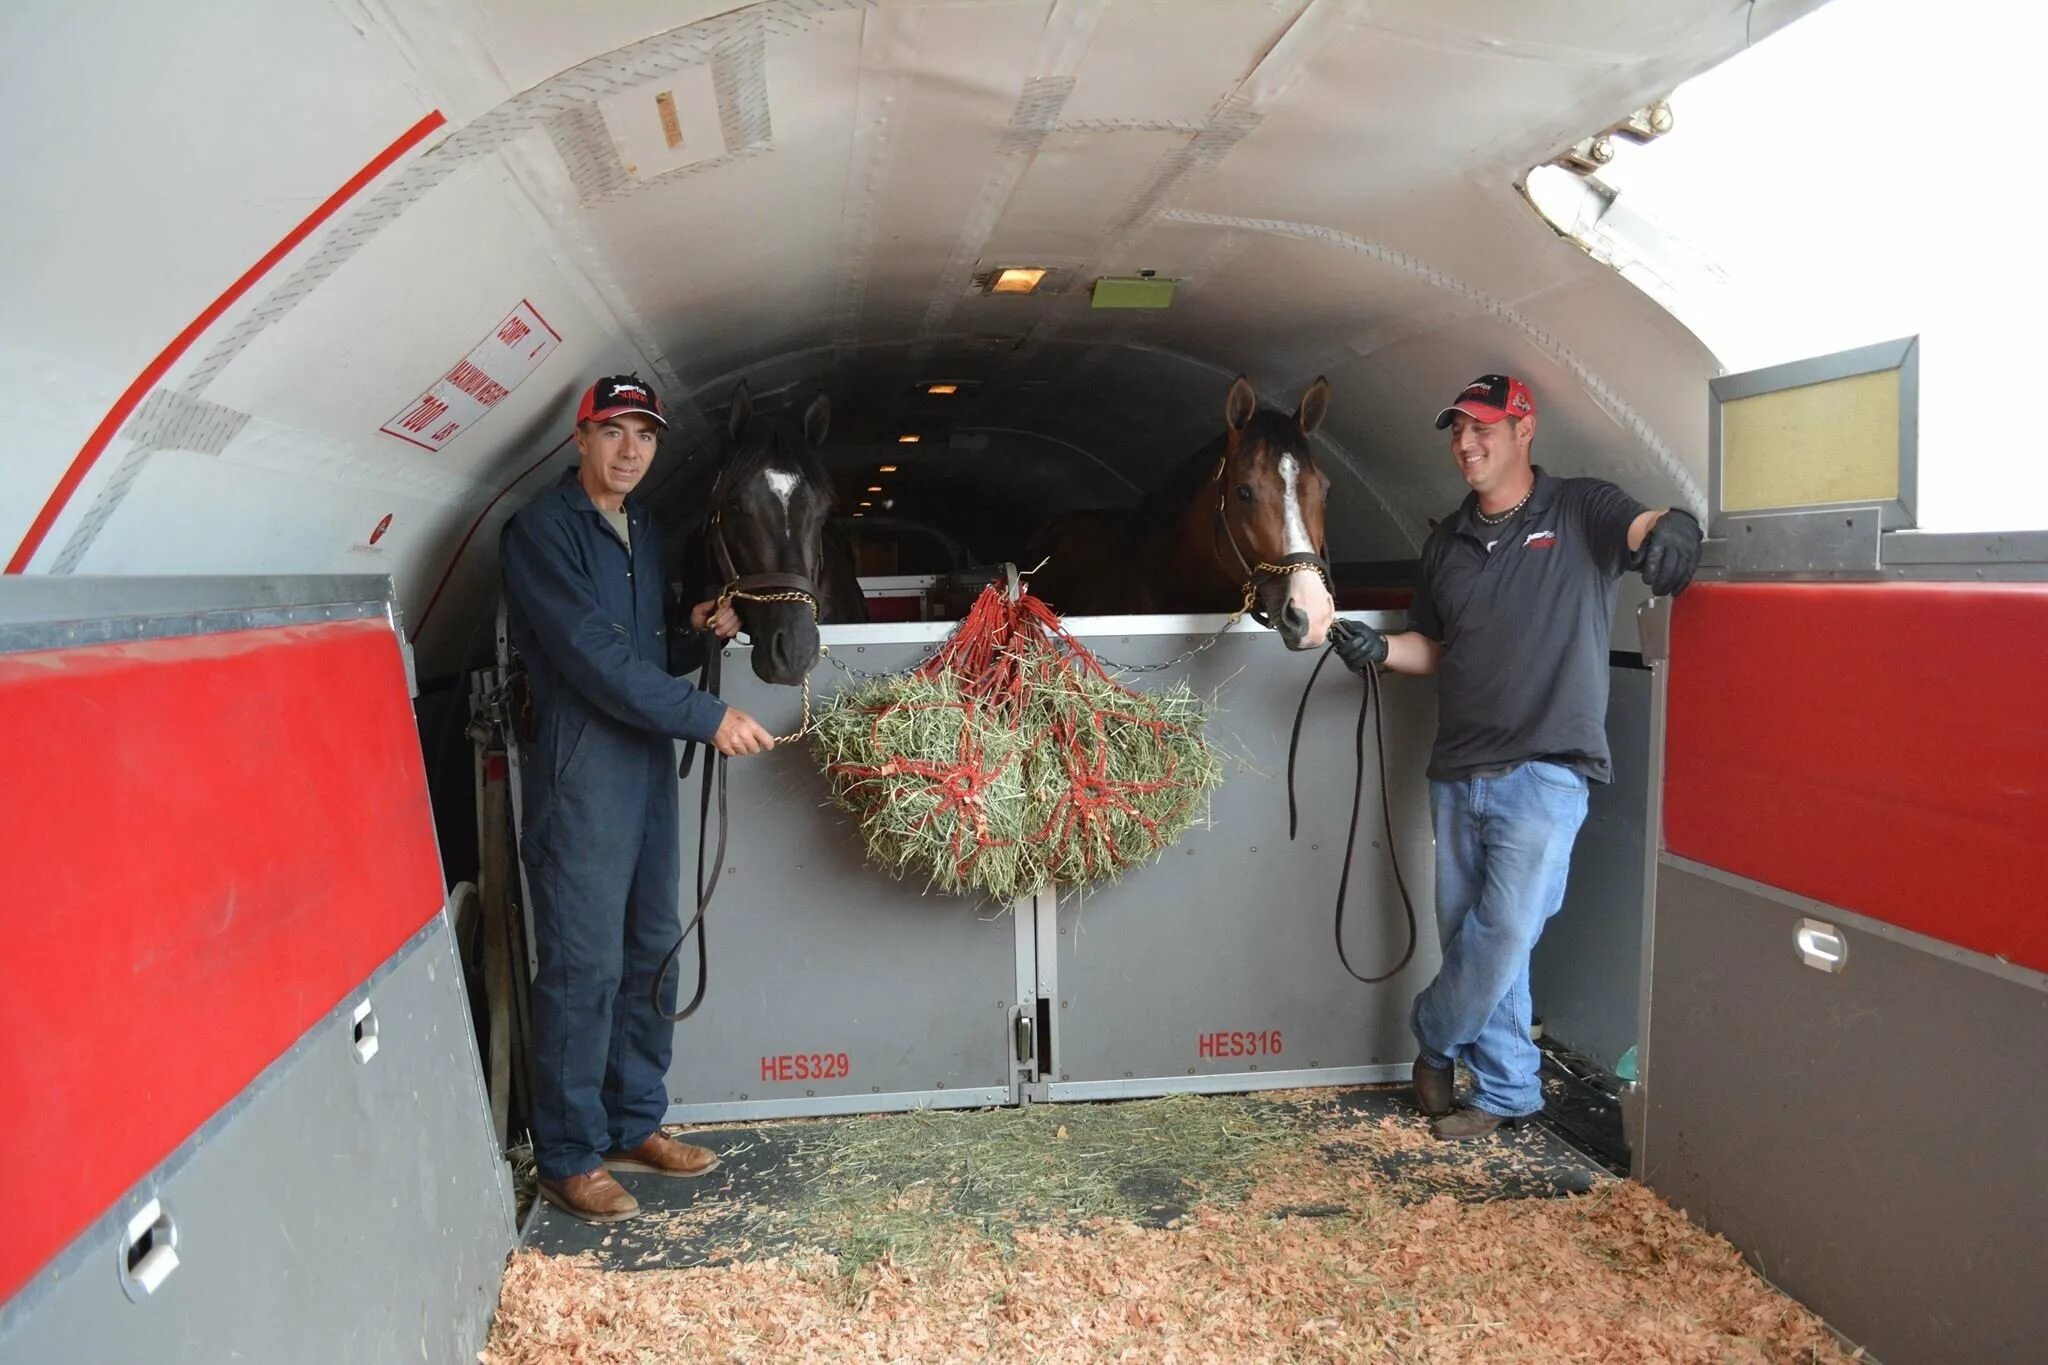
[(1011, 759)]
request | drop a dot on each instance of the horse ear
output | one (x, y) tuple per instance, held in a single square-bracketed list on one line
[(1315, 405), (1241, 404), (818, 420), (742, 410)]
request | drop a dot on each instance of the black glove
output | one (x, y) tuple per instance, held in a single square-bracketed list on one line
[(1358, 645), (1670, 553)]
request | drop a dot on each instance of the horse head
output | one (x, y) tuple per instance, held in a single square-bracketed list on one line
[(1269, 512), (767, 530)]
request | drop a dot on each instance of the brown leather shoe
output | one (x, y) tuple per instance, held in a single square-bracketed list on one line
[(1433, 1088), (1464, 1125), (662, 1155), (593, 1196)]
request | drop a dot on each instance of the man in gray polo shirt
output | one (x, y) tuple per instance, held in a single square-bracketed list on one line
[(1513, 605)]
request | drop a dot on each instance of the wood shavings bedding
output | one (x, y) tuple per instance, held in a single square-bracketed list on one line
[(1614, 1275)]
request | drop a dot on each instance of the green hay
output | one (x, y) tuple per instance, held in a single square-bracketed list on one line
[(912, 824), (907, 1186)]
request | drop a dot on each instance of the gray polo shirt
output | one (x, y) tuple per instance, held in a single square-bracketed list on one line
[(1523, 612)]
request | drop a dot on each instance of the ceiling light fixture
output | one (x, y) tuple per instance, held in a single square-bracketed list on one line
[(886, 469), (1018, 279), (874, 488), (941, 388), (908, 439)]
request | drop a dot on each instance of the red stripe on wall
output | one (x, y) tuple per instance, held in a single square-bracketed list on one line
[(96, 444), (210, 842), (1882, 747)]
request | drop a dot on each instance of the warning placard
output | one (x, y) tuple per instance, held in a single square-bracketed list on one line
[(479, 381)]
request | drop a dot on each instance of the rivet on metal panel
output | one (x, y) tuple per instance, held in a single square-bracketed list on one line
[(734, 872), (874, 1090), (1065, 1003), (1255, 848), (743, 1094), (810, 1092), (1314, 847)]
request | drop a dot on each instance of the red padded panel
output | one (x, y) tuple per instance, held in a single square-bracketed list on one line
[(1882, 747), (208, 843)]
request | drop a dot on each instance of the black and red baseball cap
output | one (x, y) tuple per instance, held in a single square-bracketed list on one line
[(616, 394), (1489, 398)]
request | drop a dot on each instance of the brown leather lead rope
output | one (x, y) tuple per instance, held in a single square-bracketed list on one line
[(1369, 700)]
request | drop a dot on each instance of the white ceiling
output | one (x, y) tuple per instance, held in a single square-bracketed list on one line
[(1331, 183)]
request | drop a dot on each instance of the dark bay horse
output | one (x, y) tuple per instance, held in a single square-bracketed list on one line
[(1241, 518), (766, 543)]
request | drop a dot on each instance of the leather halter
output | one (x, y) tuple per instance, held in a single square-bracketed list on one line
[(1251, 574)]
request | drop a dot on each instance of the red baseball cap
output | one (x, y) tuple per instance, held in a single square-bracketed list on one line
[(1489, 398), (616, 394)]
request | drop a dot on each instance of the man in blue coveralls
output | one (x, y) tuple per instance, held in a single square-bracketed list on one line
[(1514, 600), (587, 609)]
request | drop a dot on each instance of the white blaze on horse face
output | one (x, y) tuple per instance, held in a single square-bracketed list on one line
[(1305, 591), (781, 483)]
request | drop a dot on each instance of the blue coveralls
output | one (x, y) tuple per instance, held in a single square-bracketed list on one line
[(600, 837)]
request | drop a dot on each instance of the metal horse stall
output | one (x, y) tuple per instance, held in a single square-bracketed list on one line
[(836, 988), (247, 1118)]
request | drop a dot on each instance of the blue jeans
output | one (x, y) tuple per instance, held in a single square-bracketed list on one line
[(1503, 847)]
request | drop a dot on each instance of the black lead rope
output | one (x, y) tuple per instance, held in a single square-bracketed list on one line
[(1369, 700), (714, 762)]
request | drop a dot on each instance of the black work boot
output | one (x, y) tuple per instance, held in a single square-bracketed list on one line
[(1465, 1125), (1433, 1088)]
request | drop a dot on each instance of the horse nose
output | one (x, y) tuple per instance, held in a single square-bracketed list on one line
[(1293, 620), (781, 652)]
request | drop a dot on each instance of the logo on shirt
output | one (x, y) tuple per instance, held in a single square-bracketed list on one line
[(1539, 540)]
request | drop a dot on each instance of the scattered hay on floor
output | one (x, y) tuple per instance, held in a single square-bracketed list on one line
[(1614, 1275), (903, 1187)]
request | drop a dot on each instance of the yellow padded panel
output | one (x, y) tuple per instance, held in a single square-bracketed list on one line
[(1836, 441)]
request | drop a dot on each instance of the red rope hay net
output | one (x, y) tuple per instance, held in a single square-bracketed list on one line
[(1010, 759)]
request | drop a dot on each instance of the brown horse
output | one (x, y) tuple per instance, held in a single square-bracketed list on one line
[(1241, 520)]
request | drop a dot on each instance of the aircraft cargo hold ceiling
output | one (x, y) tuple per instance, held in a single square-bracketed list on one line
[(312, 286)]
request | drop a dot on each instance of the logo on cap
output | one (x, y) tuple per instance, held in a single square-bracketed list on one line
[(1489, 398), (616, 394)]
